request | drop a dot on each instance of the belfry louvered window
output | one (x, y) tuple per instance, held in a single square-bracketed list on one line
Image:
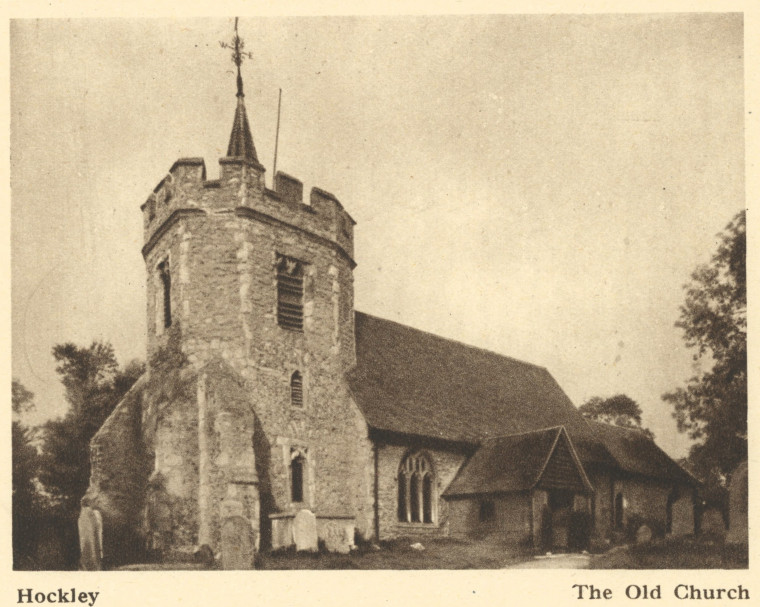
[(290, 293), (296, 389)]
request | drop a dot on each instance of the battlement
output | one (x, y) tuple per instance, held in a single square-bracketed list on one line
[(241, 189)]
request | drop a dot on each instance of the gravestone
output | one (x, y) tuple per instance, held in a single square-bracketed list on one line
[(237, 544), (204, 556), (643, 534), (90, 525), (336, 537), (305, 531), (738, 491), (712, 522)]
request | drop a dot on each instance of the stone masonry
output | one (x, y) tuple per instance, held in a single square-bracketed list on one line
[(231, 445)]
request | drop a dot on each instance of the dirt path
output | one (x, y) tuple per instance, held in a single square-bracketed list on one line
[(555, 561)]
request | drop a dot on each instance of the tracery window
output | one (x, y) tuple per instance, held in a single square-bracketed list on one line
[(416, 490)]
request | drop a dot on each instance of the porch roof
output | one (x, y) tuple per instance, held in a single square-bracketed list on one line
[(520, 462)]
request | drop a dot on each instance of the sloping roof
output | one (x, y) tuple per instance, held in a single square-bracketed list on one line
[(413, 382), (513, 463), (636, 453), (486, 472), (241, 140)]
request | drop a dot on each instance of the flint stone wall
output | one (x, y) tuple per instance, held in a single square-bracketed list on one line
[(222, 239), (511, 521)]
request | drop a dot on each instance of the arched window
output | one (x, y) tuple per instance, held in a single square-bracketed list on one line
[(297, 469), (416, 490), (296, 389), (165, 279), (619, 506)]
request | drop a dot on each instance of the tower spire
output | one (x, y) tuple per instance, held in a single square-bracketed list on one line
[(241, 140)]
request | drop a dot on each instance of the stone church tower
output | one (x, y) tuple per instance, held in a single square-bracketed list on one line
[(244, 412)]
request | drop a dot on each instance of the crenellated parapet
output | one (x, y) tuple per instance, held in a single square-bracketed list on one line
[(241, 189)]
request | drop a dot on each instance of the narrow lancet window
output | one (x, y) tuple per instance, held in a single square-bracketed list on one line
[(296, 389), (297, 479), (166, 291)]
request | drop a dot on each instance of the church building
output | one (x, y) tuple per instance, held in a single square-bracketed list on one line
[(269, 400)]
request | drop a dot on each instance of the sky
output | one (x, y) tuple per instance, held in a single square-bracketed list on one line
[(540, 186)]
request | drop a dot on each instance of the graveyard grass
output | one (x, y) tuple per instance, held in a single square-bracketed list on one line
[(676, 553), (437, 554), (670, 553)]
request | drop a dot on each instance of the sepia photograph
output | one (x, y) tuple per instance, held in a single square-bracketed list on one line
[(366, 292)]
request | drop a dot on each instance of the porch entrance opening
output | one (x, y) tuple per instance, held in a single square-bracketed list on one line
[(561, 508)]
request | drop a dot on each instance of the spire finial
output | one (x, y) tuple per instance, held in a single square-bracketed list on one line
[(241, 141), (238, 54)]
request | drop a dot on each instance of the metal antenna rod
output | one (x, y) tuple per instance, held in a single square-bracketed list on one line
[(276, 140)]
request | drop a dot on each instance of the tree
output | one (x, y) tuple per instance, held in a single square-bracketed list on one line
[(25, 461), (94, 385), (618, 410), (712, 407)]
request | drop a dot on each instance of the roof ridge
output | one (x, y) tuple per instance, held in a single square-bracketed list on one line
[(452, 340), (640, 431), (547, 429)]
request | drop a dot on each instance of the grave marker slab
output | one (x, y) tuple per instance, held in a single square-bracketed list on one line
[(305, 531), (237, 546), (738, 491), (90, 525)]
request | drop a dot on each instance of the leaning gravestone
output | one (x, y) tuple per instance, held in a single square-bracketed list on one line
[(738, 490), (90, 526), (237, 544), (305, 531)]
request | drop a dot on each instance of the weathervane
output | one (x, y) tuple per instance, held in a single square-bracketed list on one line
[(238, 54)]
